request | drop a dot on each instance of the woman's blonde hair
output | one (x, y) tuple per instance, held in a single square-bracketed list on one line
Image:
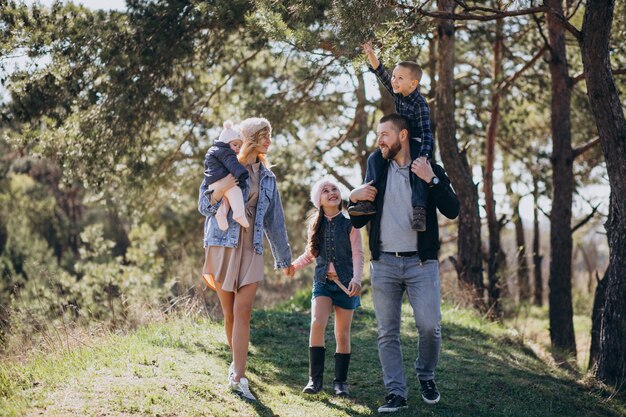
[(250, 145)]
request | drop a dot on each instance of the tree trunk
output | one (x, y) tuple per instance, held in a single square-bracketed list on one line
[(523, 282), (432, 93), (537, 257), (596, 321), (609, 116), (386, 100), (469, 262), (496, 255), (560, 281)]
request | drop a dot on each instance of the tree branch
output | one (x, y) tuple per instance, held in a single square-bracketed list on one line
[(583, 148), (494, 14), (196, 117), (548, 215), (509, 81), (581, 76), (332, 171), (586, 219)]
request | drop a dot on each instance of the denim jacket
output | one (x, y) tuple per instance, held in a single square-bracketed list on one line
[(336, 248), (269, 219)]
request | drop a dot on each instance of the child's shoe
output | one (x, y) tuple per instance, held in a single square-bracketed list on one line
[(362, 208), (419, 219)]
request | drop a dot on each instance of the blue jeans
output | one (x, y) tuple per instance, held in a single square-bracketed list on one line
[(391, 276)]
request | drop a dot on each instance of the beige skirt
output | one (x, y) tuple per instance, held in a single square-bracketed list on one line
[(234, 267)]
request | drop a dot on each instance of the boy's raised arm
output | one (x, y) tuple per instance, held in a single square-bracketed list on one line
[(371, 56)]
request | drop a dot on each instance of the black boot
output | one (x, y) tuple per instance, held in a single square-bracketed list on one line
[(340, 384), (316, 369)]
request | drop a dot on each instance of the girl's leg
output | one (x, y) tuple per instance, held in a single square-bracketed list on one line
[(343, 323), (227, 300), (321, 307), (241, 328)]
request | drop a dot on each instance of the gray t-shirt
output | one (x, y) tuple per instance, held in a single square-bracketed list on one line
[(396, 234)]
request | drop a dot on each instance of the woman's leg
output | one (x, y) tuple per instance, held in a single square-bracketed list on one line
[(227, 301), (343, 323), (241, 328), (321, 308)]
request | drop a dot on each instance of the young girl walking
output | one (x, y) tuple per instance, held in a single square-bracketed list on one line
[(337, 249)]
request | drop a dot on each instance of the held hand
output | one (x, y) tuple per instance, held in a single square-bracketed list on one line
[(289, 271), (365, 192), (422, 168), (354, 289)]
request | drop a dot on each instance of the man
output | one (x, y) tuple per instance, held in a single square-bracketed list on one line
[(403, 259)]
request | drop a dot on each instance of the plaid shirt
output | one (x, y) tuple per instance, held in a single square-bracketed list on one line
[(414, 108)]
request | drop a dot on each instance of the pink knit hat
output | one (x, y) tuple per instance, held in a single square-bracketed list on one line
[(230, 132), (252, 125), (316, 190)]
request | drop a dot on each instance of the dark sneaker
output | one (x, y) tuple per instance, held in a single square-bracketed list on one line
[(393, 404), (362, 208), (419, 219), (430, 393)]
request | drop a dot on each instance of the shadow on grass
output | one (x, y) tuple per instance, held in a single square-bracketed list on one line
[(479, 374)]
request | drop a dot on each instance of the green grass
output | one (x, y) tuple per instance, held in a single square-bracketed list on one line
[(179, 368)]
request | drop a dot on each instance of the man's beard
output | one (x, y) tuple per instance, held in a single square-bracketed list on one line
[(391, 151)]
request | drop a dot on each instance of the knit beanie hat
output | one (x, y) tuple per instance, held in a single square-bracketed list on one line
[(230, 132), (316, 190), (252, 125)]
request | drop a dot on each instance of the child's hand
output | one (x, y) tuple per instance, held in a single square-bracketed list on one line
[(290, 271), (371, 56), (354, 289)]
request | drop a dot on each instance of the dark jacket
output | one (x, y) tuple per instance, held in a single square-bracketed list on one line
[(440, 197), (221, 160), (335, 248)]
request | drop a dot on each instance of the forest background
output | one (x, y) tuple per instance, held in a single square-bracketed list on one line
[(107, 113)]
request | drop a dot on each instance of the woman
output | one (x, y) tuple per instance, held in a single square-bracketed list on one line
[(234, 257)]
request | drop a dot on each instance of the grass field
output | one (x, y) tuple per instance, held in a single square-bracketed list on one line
[(179, 367)]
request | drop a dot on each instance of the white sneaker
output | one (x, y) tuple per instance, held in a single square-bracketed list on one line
[(242, 389)]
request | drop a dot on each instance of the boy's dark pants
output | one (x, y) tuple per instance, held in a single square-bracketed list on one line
[(376, 165)]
